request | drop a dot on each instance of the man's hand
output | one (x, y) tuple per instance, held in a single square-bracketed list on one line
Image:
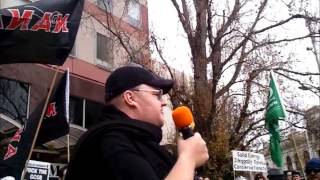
[(194, 149)]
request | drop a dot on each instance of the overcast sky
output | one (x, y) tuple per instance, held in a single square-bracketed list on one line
[(164, 22)]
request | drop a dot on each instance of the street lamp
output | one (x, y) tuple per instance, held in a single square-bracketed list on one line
[(304, 88)]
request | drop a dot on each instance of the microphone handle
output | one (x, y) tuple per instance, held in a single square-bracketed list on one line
[(186, 132)]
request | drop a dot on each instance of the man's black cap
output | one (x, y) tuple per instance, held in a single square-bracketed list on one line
[(128, 77)]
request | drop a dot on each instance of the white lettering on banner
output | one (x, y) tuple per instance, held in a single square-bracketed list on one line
[(37, 170), (32, 170), (35, 176), (248, 161), (43, 171)]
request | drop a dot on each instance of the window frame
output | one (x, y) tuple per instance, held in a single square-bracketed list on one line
[(129, 18), (108, 62), (74, 49), (84, 121), (105, 5)]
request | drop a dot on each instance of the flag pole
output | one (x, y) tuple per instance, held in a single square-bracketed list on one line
[(296, 149), (68, 147), (67, 114), (41, 118)]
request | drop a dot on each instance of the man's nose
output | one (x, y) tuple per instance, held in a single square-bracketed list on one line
[(163, 101)]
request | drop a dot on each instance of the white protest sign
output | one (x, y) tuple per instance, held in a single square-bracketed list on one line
[(37, 170), (248, 161)]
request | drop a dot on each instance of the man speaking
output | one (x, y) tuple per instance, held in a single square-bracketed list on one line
[(125, 145)]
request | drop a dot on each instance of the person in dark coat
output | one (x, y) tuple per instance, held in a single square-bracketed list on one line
[(312, 169), (275, 174), (125, 146)]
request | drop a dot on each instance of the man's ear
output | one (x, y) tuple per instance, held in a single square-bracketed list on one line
[(129, 98)]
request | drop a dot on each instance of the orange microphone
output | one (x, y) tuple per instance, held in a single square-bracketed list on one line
[(183, 119)]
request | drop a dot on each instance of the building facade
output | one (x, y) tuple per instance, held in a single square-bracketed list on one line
[(112, 33)]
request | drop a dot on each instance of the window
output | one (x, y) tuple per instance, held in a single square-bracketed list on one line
[(85, 113), (76, 111), (104, 50), (73, 50), (105, 5), (14, 99), (93, 113), (11, 3), (134, 13)]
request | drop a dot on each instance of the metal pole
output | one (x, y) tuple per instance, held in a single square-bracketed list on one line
[(308, 144), (234, 174)]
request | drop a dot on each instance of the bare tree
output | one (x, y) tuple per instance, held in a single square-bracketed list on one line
[(232, 49), (13, 99)]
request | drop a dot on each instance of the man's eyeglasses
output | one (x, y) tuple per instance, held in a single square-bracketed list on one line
[(308, 171), (157, 92)]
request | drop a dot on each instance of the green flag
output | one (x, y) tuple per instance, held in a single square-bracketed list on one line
[(274, 112)]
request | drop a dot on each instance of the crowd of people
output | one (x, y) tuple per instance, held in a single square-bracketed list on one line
[(311, 172)]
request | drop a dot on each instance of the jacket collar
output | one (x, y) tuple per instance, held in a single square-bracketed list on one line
[(117, 119)]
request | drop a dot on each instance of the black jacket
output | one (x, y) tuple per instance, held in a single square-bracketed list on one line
[(120, 148)]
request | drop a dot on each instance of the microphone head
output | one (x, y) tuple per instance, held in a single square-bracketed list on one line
[(182, 117)]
